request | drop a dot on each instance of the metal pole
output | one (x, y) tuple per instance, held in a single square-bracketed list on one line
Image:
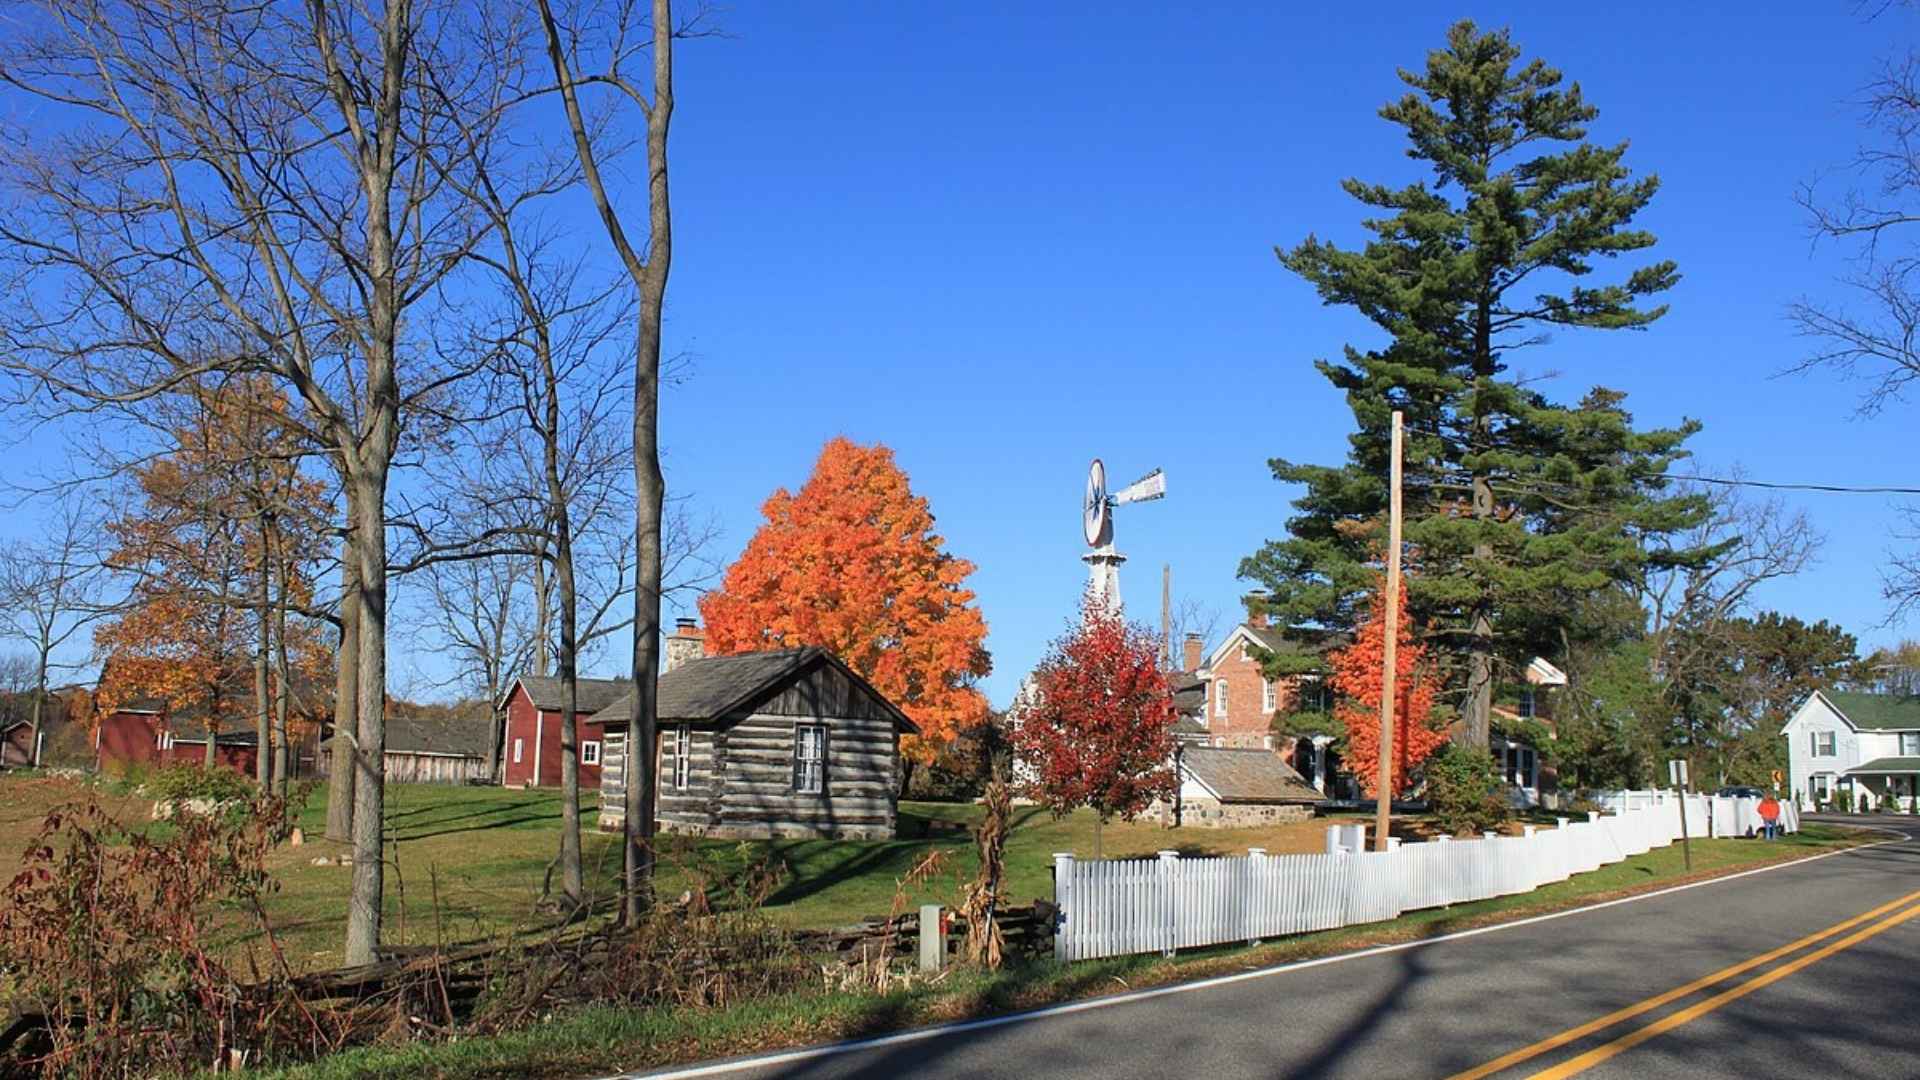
[(1686, 842), (1383, 787)]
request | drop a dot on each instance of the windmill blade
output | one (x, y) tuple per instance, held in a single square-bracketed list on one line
[(1147, 488)]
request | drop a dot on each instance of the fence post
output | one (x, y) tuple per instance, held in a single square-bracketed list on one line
[(933, 938), (1335, 839), (1256, 861), (1063, 906), (1169, 868), (1593, 815)]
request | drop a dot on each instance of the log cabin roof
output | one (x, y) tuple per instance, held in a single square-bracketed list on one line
[(708, 688)]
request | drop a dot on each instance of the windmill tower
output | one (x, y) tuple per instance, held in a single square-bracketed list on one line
[(1103, 562)]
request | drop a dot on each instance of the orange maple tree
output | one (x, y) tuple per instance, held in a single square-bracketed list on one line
[(851, 563), (1357, 677), (197, 533)]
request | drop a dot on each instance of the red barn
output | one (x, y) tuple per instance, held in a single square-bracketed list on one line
[(141, 732), (530, 752)]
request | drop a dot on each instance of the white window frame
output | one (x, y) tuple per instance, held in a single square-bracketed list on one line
[(1219, 697), (518, 744), (1529, 705), (1269, 698), (1827, 739), (812, 778), (682, 757), (1910, 744), (590, 753)]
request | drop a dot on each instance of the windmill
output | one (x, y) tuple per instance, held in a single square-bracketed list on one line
[(1097, 522)]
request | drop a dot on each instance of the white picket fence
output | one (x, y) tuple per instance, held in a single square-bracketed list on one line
[(1119, 907)]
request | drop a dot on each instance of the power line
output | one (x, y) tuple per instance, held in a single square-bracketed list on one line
[(1836, 489)]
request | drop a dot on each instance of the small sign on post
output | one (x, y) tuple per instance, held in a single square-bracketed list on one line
[(1677, 772)]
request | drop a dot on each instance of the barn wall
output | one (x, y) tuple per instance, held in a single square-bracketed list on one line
[(404, 768), (521, 727), (128, 739), (526, 724)]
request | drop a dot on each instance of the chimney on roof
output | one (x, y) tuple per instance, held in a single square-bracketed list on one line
[(1256, 609), (687, 642), (1190, 652)]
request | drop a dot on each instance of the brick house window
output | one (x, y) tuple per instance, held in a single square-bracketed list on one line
[(1527, 705), (589, 753), (1219, 697), (1267, 702)]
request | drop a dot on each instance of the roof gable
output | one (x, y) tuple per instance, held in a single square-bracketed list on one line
[(1876, 712)]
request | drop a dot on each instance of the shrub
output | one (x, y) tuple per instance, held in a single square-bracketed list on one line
[(1464, 790), (183, 781), (105, 935)]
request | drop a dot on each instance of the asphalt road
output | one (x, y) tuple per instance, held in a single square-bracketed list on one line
[(1846, 1004)]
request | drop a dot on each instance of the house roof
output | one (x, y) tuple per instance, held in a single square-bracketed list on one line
[(712, 686), (1886, 765), (143, 705), (1189, 693), (1246, 776), (1876, 712), (593, 694), (193, 731), (457, 736), (1188, 727), (1276, 639)]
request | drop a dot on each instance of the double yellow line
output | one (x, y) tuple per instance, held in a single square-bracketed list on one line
[(1576, 1065)]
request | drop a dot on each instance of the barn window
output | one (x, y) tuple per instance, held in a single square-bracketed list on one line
[(589, 753), (682, 757), (517, 743), (809, 759)]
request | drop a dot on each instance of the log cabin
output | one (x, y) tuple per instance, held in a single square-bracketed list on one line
[(785, 743)]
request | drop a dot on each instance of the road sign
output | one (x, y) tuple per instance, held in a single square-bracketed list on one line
[(1677, 772), (1779, 778)]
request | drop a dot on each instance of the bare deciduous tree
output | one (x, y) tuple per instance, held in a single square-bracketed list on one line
[(237, 188), (52, 590)]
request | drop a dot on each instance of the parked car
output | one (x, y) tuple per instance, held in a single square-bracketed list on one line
[(1741, 793)]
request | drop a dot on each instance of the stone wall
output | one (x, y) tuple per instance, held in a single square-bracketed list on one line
[(1208, 814)]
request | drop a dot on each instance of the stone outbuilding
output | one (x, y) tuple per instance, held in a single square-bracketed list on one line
[(1224, 787)]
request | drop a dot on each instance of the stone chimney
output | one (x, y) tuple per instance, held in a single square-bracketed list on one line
[(687, 642), (1191, 654)]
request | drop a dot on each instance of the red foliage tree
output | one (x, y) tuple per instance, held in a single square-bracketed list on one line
[(1097, 726), (1357, 671), (851, 563)]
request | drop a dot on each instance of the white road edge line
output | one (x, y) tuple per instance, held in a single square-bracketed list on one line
[(852, 1046)]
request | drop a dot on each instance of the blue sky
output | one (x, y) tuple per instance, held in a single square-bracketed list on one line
[(1005, 242), (1006, 238)]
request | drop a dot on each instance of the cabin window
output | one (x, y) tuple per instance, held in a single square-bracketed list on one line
[(517, 744), (1910, 744), (1219, 697), (682, 757), (809, 759), (1267, 703), (1822, 743), (589, 753), (1528, 706)]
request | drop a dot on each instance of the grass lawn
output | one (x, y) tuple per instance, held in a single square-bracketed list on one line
[(468, 862), (603, 1039)]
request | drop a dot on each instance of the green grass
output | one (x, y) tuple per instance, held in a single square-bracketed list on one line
[(602, 1039)]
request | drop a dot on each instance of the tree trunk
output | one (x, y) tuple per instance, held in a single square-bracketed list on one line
[(282, 747), (262, 702), (369, 781), (573, 881), (346, 700), (34, 715), (1479, 703), (1099, 821), (542, 612)]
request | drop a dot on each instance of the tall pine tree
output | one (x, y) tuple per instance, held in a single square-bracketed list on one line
[(1512, 502)]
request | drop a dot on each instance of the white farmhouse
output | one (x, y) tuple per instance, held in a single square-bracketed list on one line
[(1853, 742)]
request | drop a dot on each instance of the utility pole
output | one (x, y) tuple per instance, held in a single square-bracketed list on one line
[(1383, 788), (1166, 614)]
